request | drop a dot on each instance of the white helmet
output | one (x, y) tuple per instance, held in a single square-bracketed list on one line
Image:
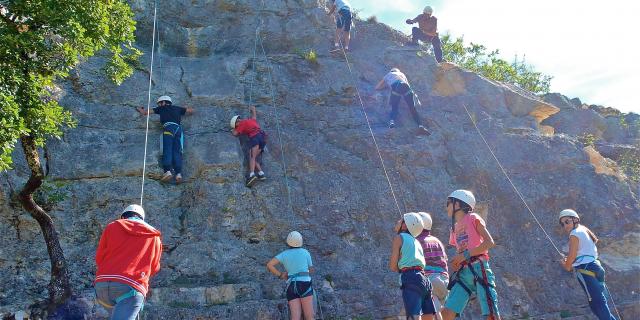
[(394, 70), (294, 239), (164, 98), (414, 223), (427, 222), (465, 196), (568, 213), (232, 123), (137, 209), (428, 10)]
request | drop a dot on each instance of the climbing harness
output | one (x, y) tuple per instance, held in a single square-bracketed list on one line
[(173, 129), (146, 134), (483, 281)]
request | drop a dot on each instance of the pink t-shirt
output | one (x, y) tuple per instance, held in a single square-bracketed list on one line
[(466, 236)]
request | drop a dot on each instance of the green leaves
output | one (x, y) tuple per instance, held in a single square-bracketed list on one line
[(475, 57), (40, 42)]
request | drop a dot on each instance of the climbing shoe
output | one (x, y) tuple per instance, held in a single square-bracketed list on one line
[(423, 131), (178, 178), (262, 176), (251, 181), (391, 124), (166, 177)]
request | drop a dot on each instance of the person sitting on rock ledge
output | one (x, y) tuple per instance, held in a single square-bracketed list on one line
[(427, 31), (343, 23), (128, 255), (298, 265), (172, 136), (583, 258), (257, 142), (400, 88)]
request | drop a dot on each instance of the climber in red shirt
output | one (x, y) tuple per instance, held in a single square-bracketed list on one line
[(127, 257), (257, 142)]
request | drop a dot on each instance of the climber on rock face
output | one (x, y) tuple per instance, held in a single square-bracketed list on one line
[(583, 258), (407, 258), (435, 259), (471, 271), (128, 255), (427, 31), (298, 265), (172, 136), (257, 142), (343, 23), (400, 88)]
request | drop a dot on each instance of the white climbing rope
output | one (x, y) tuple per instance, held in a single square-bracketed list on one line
[(525, 202), (146, 133), (373, 136)]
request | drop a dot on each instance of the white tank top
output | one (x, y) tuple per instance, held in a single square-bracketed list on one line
[(587, 250)]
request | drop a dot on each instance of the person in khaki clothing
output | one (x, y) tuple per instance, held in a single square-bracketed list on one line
[(427, 31)]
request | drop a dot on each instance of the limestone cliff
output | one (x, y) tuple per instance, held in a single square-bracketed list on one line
[(220, 234)]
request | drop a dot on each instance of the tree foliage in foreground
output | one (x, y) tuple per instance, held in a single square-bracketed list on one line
[(40, 42), (476, 58)]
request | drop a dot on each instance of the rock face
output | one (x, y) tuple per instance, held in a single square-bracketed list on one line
[(221, 234)]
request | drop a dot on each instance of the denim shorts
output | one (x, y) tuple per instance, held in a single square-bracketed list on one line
[(416, 293), (343, 21), (258, 140)]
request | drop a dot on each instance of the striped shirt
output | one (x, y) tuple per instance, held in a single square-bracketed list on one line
[(434, 255)]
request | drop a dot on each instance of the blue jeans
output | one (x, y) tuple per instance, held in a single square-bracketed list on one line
[(172, 148), (417, 34), (416, 294), (398, 91), (594, 288), (108, 294)]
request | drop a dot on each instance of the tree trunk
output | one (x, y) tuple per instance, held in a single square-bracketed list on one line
[(59, 288)]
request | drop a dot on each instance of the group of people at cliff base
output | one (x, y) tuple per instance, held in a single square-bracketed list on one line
[(129, 252)]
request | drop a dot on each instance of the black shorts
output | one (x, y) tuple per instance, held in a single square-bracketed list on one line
[(258, 140), (299, 289), (343, 20)]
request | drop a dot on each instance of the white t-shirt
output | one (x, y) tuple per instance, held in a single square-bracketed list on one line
[(392, 77), (587, 250), (342, 4)]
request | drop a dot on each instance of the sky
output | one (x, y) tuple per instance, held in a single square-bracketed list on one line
[(587, 46)]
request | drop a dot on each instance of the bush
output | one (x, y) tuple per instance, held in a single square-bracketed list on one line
[(372, 19), (476, 58)]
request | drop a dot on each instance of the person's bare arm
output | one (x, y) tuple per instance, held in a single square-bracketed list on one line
[(190, 110), (144, 112), (395, 253), (567, 263), (381, 85), (271, 266), (254, 114)]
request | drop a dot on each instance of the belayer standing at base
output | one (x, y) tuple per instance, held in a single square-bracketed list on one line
[(128, 256), (343, 23), (298, 265), (583, 258), (435, 259), (257, 142), (407, 258), (400, 88), (172, 136), (427, 31), (471, 271)]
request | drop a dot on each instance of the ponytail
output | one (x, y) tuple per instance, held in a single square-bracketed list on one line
[(592, 235)]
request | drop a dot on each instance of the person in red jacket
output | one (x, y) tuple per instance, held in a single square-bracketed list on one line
[(127, 257), (257, 142)]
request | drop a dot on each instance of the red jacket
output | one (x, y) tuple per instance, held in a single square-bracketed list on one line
[(129, 252)]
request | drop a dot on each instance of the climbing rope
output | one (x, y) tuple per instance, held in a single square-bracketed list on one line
[(375, 142), (525, 202), (146, 134)]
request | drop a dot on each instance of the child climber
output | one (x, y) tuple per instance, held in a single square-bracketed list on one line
[(400, 88), (435, 259), (583, 258), (472, 273), (408, 259), (297, 263), (257, 142)]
